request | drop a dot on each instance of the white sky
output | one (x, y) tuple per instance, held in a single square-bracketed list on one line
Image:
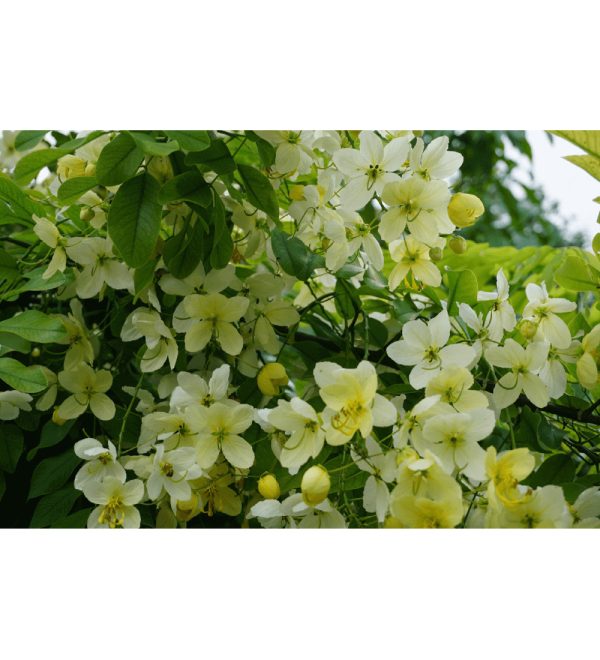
[(573, 188)]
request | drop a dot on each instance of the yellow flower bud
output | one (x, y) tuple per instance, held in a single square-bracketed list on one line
[(528, 328), (59, 421), (436, 254), (187, 509), (90, 169), (464, 209), (70, 166), (315, 485), (297, 193), (392, 523), (458, 245), (271, 378), (35, 352), (268, 487), (86, 214)]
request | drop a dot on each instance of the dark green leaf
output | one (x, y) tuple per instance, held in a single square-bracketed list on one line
[(119, 160), (293, 256), (260, 191), (189, 186), (11, 447), (143, 276), (183, 252), (52, 473), (76, 520), (190, 140), (134, 219), (72, 189), (27, 140), (152, 147), (346, 302), (54, 507), (222, 244), (24, 379), (216, 158), (18, 202), (52, 434), (557, 469)]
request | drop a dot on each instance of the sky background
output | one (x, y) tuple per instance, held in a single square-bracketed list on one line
[(573, 188)]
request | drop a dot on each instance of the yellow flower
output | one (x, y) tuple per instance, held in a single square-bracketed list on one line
[(268, 487), (411, 256), (587, 365), (506, 471)]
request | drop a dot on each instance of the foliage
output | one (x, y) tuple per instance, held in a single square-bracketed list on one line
[(292, 328)]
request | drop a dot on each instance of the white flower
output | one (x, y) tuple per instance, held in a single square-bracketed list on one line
[(413, 421), (101, 462), (160, 343), (294, 512), (453, 385), (542, 310), (100, 266), (293, 155), (423, 346), (12, 402), (546, 508), (116, 502), (358, 235), (194, 390), (416, 204), (302, 424), (525, 365), (435, 162), (454, 440), (553, 373), (213, 315), (369, 169), (381, 467), (488, 332), (88, 388), (48, 233), (219, 432), (501, 307), (200, 282), (586, 509), (411, 256)]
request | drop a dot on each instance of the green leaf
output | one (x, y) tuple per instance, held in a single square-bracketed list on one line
[(24, 379), (52, 473), (527, 431), (293, 256), (590, 164), (576, 275), (9, 270), (72, 189), (216, 158), (346, 301), (260, 191), (53, 507), (10, 342), (27, 140), (557, 469), (190, 140), (222, 247), (76, 520), (2, 485), (30, 165), (189, 186), (134, 219), (52, 434), (462, 288), (36, 327), (587, 140), (11, 447), (119, 160), (143, 276), (183, 252), (151, 147), (18, 202)]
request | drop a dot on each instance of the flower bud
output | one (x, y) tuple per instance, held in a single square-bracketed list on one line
[(297, 193), (436, 254), (59, 421), (70, 166), (315, 485), (464, 209), (187, 509), (86, 214), (458, 245), (528, 329), (271, 378), (35, 352), (268, 487), (392, 523)]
